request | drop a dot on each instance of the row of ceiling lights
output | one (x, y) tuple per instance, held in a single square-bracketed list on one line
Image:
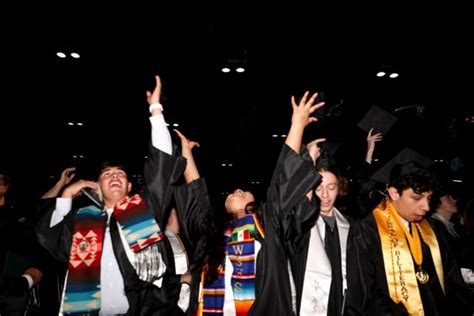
[(64, 55), (393, 75), (238, 69)]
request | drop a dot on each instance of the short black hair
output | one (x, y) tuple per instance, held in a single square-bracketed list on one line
[(113, 164), (413, 175)]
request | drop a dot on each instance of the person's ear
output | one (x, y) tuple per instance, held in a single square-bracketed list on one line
[(129, 187), (393, 193)]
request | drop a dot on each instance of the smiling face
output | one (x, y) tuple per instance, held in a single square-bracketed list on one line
[(113, 182), (410, 205), (327, 192), (236, 202)]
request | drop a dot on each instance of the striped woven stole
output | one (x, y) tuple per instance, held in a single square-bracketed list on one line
[(83, 283), (240, 249)]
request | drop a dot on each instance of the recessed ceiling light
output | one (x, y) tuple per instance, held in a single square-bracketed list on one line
[(380, 74), (61, 55), (75, 55), (240, 69), (393, 75), (225, 69)]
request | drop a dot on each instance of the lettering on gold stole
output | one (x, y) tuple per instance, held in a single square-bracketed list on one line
[(396, 260)]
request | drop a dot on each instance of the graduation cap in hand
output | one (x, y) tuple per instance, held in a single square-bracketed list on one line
[(411, 161), (378, 119)]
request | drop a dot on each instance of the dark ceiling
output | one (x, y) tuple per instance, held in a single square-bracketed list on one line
[(232, 115)]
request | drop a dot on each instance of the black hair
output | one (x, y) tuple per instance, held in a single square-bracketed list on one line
[(414, 176), (112, 164), (210, 249)]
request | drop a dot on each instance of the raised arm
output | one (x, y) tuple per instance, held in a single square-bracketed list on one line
[(371, 140), (160, 135), (66, 177), (191, 172), (300, 119), (314, 150), (164, 166)]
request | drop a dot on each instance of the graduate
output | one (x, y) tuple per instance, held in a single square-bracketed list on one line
[(397, 261), (120, 261), (241, 265)]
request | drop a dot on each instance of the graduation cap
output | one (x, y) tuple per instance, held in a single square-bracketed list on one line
[(330, 147), (378, 119), (408, 158), (328, 150)]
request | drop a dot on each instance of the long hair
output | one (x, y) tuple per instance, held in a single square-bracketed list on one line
[(210, 249)]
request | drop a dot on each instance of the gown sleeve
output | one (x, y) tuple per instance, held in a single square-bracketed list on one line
[(57, 239), (161, 172)]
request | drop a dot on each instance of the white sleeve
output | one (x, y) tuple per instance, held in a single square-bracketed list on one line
[(160, 135), (63, 206)]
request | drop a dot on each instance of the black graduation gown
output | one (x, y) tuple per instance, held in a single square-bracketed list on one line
[(298, 248), (368, 292), (161, 172), (286, 205)]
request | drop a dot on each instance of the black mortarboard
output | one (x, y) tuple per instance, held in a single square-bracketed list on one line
[(404, 157), (378, 119), (331, 147), (328, 150)]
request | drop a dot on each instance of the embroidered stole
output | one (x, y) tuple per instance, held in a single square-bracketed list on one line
[(240, 249), (82, 294), (398, 261)]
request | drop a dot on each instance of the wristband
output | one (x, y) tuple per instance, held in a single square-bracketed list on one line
[(155, 106)]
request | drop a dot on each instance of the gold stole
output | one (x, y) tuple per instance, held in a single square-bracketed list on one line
[(398, 261)]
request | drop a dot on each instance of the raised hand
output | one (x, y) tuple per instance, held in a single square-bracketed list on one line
[(153, 98), (303, 110), (74, 189), (191, 172), (372, 139), (314, 148), (186, 144), (67, 175), (300, 119)]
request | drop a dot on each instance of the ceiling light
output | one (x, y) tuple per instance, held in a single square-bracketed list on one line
[(61, 55), (75, 55), (225, 70), (393, 75), (380, 74), (240, 69)]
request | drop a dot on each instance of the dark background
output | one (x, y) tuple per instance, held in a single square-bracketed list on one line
[(233, 115)]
